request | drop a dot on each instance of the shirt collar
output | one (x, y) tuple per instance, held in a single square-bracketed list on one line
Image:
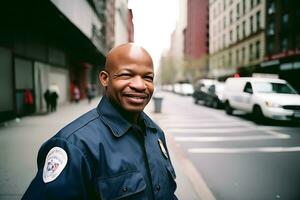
[(115, 121)]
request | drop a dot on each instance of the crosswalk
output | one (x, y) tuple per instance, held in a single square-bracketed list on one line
[(209, 134)]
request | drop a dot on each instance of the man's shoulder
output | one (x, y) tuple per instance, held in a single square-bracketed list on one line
[(82, 123)]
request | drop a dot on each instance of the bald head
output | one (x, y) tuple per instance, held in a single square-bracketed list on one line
[(128, 78), (127, 53)]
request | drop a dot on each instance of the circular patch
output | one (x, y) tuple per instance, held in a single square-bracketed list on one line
[(55, 162)]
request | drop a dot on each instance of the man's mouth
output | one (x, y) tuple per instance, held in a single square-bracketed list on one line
[(136, 98)]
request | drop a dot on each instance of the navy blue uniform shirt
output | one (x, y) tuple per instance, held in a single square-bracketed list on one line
[(101, 155)]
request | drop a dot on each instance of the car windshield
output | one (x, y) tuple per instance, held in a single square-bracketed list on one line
[(283, 88)]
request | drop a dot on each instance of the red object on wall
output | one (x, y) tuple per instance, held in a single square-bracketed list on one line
[(28, 98)]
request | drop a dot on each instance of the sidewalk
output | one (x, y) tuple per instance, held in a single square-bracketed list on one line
[(21, 139)]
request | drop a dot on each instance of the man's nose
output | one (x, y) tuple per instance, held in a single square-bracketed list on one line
[(138, 83)]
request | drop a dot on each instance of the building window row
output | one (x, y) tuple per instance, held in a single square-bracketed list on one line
[(221, 39), (241, 7)]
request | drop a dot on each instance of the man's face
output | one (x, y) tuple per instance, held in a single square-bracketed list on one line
[(129, 81)]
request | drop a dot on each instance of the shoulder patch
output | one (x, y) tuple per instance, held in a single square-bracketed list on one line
[(55, 162)]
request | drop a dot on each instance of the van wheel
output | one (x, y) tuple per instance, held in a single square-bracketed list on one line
[(258, 115), (215, 104), (195, 101), (228, 108)]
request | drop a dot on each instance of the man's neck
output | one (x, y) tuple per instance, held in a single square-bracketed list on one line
[(131, 117)]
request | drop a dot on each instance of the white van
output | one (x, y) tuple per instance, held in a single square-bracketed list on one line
[(264, 97)]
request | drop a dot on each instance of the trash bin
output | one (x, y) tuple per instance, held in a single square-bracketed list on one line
[(157, 104)]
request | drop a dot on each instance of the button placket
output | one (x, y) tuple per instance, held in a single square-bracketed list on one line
[(124, 189)]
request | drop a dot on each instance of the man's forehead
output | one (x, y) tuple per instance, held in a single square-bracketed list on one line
[(128, 53), (136, 51)]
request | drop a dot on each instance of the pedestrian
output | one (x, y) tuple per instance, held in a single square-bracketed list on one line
[(47, 99), (90, 93), (76, 94), (54, 95), (53, 100), (114, 151)]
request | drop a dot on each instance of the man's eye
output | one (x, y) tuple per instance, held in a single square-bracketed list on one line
[(124, 75), (149, 78)]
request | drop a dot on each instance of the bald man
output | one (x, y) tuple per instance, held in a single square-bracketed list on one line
[(114, 151)]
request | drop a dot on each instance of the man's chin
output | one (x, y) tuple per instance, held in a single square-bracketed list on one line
[(134, 108)]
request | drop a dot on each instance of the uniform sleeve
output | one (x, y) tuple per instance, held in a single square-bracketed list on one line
[(63, 173)]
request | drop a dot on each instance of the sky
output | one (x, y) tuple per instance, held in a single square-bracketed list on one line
[(154, 21)]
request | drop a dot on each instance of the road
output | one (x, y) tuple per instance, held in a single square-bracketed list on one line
[(218, 156), (237, 158)]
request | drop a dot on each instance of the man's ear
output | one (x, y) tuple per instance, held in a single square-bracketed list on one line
[(103, 78)]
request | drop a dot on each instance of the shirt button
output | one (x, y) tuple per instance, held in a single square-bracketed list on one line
[(124, 189), (157, 187)]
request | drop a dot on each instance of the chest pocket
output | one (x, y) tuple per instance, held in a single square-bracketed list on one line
[(128, 185)]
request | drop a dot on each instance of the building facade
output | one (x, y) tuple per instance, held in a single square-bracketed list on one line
[(196, 35), (282, 54), (187, 58), (49, 43), (236, 36)]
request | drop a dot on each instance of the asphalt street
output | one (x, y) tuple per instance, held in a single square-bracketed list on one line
[(237, 158), (215, 156)]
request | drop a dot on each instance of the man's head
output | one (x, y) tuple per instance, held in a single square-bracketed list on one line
[(128, 77)]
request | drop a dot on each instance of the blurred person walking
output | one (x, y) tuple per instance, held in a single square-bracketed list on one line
[(54, 95), (90, 93), (114, 151), (47, 97), (76, 94)]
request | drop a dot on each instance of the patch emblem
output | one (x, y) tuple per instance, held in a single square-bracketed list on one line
[(55, 162), (162, 148)]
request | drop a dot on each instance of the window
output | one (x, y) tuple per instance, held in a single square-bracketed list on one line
[(230, 17), (238, 32), (258, 21), (237, 56), (251, 24), (284, 44), (248, 88), (271, 28), (230, 36), (251, 52), (237, 10), (224, 22), (224, 40), (244, 6), (243, 54), (251, 4), (270, 46), (285, 18), (271, 8), (244, 29), (257, 2), (257, 52), (230, 58)]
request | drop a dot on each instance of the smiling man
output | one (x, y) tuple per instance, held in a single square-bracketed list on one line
[(115, 151)]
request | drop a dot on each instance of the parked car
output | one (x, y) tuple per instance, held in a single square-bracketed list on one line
[(214, 96), (185, 89), (263, 97), (201, 89)]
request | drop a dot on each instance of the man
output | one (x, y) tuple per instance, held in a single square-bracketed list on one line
[(114, 151)]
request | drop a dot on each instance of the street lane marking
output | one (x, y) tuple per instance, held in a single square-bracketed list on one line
[(190, 125), (209, 130), (230, 138), (245, 150)]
